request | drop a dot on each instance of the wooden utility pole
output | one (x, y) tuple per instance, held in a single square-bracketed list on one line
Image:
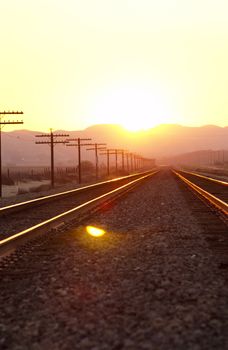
[(79, 144), (52, 142), (127, 157), (139, 162), (116, 152), (96, 148), (135, 161), (131, 157), (107, 153), (122, 152), (4, 122)]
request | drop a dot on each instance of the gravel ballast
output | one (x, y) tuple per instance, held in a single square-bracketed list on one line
[(151, 282)]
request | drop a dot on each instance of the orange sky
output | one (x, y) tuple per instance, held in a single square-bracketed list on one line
[(70, 64)]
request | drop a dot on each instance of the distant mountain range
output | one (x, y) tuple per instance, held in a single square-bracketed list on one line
[(168, 140)]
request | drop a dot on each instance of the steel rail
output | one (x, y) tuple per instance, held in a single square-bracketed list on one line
[(206, 177), (216, 202), (9, 244), (38, 201)]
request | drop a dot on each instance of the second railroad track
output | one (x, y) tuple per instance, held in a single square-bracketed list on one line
[(22, 221)]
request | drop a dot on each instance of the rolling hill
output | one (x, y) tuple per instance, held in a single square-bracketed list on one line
[(168, 140)]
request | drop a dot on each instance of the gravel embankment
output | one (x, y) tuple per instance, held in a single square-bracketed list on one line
[(24, 219), (150, 282), (5, 201)]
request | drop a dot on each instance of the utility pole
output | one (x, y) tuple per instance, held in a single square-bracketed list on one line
[(107, 153), (127, 157), (52, 142), (122, 151), (79, 144), (140, 162), (4, 122), (96, 148), (131, 157), (116, 152), (135, 162)]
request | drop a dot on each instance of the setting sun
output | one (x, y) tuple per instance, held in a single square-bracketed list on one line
[(165, 62), (134, 106)]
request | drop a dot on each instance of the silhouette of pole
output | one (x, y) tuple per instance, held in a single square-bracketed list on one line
[(107, 153), (52, 159), (79, 145), (52, 142), (122, 152), (4, 122), (139, 162), (96, 148), (135, 161), (127, 157), (79, 162), (116, 159), (108, 172), (131, 156), (115, 151)]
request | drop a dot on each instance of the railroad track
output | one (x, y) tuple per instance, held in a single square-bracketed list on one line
[(23, 221), (151, 274), (212, 191)]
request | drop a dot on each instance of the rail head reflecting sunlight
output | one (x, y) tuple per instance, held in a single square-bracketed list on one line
[(95, 231)]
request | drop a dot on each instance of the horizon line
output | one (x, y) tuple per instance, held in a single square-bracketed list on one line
[(122, 127)]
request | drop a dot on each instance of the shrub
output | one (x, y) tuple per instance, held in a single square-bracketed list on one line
[(21, 191), (7, 180)]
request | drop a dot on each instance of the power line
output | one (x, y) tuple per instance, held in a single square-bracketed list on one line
[(131, 161), (107, 153), (79, 144), (96, 148), (52, 142), (122, 152), (116, 151)]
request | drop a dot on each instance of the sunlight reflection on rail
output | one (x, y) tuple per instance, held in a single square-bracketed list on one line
[(95, 231)]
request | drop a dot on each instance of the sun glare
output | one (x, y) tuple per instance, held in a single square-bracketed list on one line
[(134, 107), (95, 231)]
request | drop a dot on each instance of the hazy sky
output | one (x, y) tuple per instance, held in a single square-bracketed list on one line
[(69, 64)]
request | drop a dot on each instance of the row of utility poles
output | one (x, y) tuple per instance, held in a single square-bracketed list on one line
[(133, 161), (52, 142), (52, 139)]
